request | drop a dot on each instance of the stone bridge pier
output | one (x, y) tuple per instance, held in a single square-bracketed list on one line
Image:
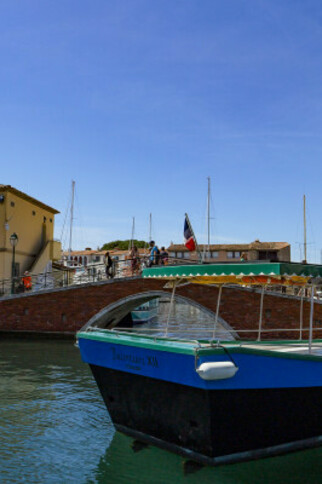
[(62, 312)]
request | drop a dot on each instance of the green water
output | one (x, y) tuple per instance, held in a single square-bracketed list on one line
[(54, 428)]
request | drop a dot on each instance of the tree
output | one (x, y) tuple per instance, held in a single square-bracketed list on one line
[(124, 244)]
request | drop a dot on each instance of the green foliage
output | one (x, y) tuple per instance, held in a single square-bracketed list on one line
[(124, 244)]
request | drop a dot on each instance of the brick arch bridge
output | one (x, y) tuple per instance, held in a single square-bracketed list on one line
[(62, 312), (116, 314)]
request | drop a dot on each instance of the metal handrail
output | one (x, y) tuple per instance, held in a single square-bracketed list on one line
[(68, 276), (206, 330)]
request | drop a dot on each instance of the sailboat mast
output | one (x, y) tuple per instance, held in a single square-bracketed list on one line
[(71, 219), (208, 218), (304, 219), (150, 227), (133, 230)]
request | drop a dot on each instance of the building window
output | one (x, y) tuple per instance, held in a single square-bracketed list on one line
[(179, 255), (51, 220), (233, 255), (268, 255), (186, 255), (12, 204), (172, 254), (45, 219), (215, 254), (33, 212)]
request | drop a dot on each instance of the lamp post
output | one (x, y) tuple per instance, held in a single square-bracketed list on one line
[(13, 242)]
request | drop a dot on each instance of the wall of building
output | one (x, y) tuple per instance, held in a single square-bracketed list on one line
[(229, 255), (2, 235), (34, 226), (284, 255)]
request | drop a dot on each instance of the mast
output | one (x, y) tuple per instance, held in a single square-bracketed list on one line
[(131, 244), (304, 219), (71, 219), (208, 218)]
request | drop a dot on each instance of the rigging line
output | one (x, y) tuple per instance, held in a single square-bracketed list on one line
[(65, 219), (80, 226), (311, 226), (205, 232), (213, 210)]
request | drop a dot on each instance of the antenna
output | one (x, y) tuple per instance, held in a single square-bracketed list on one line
[(71, 219)]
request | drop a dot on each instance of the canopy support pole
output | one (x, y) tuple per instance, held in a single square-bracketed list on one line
[(311, 318), (301, 314), (171, 305), (217, 311), (261, 314)]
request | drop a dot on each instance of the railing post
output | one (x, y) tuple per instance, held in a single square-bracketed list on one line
[(217, 311), (171, 305), (311, 319), (301, 315), (261, 314)]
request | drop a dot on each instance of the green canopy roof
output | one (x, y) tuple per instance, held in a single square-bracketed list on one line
[(238, 272)]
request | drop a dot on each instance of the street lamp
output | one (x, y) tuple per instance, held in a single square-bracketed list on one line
[(13, 242)]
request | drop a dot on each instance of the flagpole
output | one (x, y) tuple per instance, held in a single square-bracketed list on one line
[(197, 246)]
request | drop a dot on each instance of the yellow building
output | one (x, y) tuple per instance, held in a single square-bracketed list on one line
[(33, 223)]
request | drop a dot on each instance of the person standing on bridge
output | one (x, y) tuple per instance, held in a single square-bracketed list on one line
[(108, 265), (27, 282), (154, 254), (135, 260)]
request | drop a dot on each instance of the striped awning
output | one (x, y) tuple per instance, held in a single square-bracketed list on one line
[(244, 273)]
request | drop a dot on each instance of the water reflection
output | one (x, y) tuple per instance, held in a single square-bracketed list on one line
[(54, 428), (50, 409), (158, 466)]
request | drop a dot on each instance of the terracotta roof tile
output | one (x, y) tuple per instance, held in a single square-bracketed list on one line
[(28, 198), (256, 245)]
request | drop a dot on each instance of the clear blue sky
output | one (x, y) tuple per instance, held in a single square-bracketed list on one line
[(139, 101)]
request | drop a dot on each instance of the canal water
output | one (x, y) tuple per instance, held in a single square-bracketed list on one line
[(54, 428)]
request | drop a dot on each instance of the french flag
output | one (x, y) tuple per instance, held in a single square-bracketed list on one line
[(189, 240)]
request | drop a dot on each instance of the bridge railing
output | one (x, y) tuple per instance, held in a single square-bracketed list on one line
[(68, 276)]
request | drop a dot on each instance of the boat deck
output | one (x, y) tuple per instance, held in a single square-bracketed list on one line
[(289, 348), (294, 348)]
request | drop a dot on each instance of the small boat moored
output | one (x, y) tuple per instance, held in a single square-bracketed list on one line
[(146, 312)]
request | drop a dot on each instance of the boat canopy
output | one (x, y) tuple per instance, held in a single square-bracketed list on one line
[(244, 273)]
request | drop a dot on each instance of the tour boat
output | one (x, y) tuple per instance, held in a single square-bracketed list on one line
[(210, 400)]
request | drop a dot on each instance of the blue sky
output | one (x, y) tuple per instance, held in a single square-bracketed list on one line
[(140, 101)]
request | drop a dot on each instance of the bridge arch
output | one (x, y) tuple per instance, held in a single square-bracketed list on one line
[(115, 313)]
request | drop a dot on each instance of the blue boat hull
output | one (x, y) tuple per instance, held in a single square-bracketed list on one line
[(255, 371), (159, 397)]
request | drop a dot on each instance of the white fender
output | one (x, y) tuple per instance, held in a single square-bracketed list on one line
[(217, 370)]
